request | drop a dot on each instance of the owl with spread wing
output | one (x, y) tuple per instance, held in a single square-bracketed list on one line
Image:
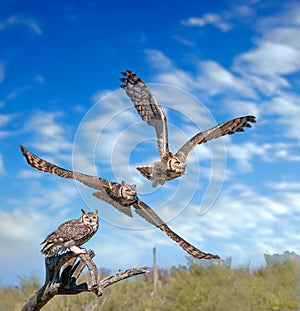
[(121, 196), (170, 165)]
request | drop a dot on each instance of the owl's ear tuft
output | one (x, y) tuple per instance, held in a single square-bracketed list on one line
[(83, 211), (96, 212)]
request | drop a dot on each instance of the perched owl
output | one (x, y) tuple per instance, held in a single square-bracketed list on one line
[(72, 234), (170, 165), (121, 196)]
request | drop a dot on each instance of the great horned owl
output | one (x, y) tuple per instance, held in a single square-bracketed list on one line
[(72, 234), (121, 196), (170, 165)]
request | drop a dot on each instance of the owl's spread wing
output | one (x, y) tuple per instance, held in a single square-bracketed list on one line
[(48, 167), (148, 214), (88, 180), (226, 128), (147, 107), (102, 195)]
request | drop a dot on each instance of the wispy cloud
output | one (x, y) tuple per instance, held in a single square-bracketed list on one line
[(2, 71), (208, 19), (224, 21), (5, 120), (285, 185), (215, 79), (183, 41), (16, 20), (159, 59), (243, 213), (287, 112), (16, 92), (47, 134), (39, 79), (260, 61), (1, 165)]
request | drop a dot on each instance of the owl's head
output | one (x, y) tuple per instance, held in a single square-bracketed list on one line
[(128, 192), (90, 219), (175, 165)]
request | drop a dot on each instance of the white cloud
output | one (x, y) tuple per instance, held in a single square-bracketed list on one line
[(287, 110), (158, 59), (240, 107), (48, 192), (2, 71), (2, 170), (244, 153), (285, 185), (39, 79), (5, 120), (270, 59), (244, 214), (224, 21), (16, 20), (210, 77), (24, 174), (21, 225), (183, 41), (208, 19), (47, 135), (16, 92), (215, 79), (288, 15)]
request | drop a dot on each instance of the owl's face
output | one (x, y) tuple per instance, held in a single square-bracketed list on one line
[(90, 219), (128, 192), (175, 165)]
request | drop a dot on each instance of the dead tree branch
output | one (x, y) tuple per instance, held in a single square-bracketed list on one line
[(62, 272)]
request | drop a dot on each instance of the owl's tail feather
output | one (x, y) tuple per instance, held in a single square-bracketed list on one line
[(146, 171), (50, 249)]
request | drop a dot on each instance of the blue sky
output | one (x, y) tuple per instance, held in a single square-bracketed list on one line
[(60, 66)]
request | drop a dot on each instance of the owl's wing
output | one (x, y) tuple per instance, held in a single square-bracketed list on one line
[(148, 214), (70, 230), (48, 167), (226, 128), (102, 195), (88, 180), (147, 107)]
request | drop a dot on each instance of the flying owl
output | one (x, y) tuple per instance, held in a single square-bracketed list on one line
[(121, 196), (170, 165), (72, 234)]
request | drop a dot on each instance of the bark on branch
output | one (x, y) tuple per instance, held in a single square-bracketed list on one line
[(62, 272)]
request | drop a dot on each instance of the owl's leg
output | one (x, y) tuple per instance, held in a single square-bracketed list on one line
[(157, 179), (161, 181), (77, 250), (154, 183)]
